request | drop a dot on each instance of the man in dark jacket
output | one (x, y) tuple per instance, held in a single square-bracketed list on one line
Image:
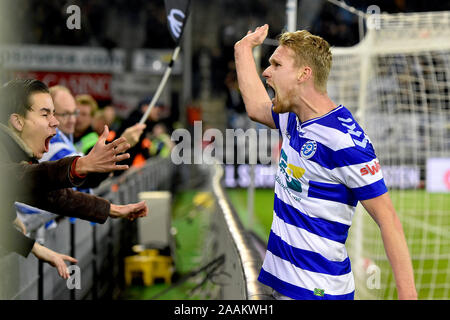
[(27, 123)]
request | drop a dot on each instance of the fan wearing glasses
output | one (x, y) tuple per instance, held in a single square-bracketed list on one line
[(66, 113)]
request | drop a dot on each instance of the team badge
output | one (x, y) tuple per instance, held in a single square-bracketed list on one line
[(308, 149)]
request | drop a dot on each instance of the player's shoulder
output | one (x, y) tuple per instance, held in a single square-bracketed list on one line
[(340, 132), (347, 123), (340, 119)]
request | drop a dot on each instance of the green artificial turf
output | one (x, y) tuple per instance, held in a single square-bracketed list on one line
[(426, 222), (425, 218)]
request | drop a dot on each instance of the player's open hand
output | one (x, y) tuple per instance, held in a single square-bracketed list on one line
[(254, 38)]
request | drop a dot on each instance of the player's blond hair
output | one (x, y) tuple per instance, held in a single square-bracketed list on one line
[(312, 51)]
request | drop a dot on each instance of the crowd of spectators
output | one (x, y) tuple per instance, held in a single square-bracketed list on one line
[(75, 131), (28, 127), (109, 24), (143, 24)]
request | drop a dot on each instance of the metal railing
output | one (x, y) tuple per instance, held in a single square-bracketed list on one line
[(99, 249)]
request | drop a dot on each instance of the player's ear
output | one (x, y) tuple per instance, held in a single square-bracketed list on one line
[(17, 121), (304, 74)]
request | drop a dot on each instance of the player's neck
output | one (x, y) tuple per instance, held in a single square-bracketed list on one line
[(313, 105)]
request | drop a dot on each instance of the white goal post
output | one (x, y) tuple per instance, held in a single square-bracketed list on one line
[(396, 82)]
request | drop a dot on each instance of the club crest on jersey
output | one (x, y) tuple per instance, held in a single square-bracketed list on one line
[(308, 149)]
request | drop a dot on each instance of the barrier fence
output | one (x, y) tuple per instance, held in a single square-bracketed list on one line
[(100, 249)]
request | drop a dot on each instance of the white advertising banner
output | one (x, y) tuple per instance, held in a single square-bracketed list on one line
[(85, 59), (61, 58), (401, 177), (396, 177), (438, 175)]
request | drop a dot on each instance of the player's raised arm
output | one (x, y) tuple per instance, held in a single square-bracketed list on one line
[(257, 101)]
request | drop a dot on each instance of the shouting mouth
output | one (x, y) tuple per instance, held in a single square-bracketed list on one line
[(47, 142)]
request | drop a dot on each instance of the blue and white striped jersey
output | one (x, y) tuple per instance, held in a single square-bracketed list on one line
[(327, 165), (60, 147)]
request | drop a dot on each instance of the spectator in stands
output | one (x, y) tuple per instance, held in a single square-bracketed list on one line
[(61, 145), (66, 112), (99, 122), (84, 136), (160, 143), (109, 114), (140, 152), (106, 116), (27, 123)]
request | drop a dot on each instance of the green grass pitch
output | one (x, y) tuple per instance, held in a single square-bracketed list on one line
[(426, 222)]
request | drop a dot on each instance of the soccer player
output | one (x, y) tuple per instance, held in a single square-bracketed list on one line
[(327, 165)]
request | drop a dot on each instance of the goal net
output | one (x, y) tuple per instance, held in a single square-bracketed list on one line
[(396, 82)]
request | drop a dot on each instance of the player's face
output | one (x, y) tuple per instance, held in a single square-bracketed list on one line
[(39, 124), (281, 76), (66, 111)]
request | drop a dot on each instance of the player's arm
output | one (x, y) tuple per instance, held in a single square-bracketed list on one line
[(382, 211), (257, 101)]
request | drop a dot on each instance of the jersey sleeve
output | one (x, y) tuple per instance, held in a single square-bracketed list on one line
[(364, 178)]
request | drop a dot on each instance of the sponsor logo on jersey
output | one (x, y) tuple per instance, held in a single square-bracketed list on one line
[(291, 172), (371, 169)]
